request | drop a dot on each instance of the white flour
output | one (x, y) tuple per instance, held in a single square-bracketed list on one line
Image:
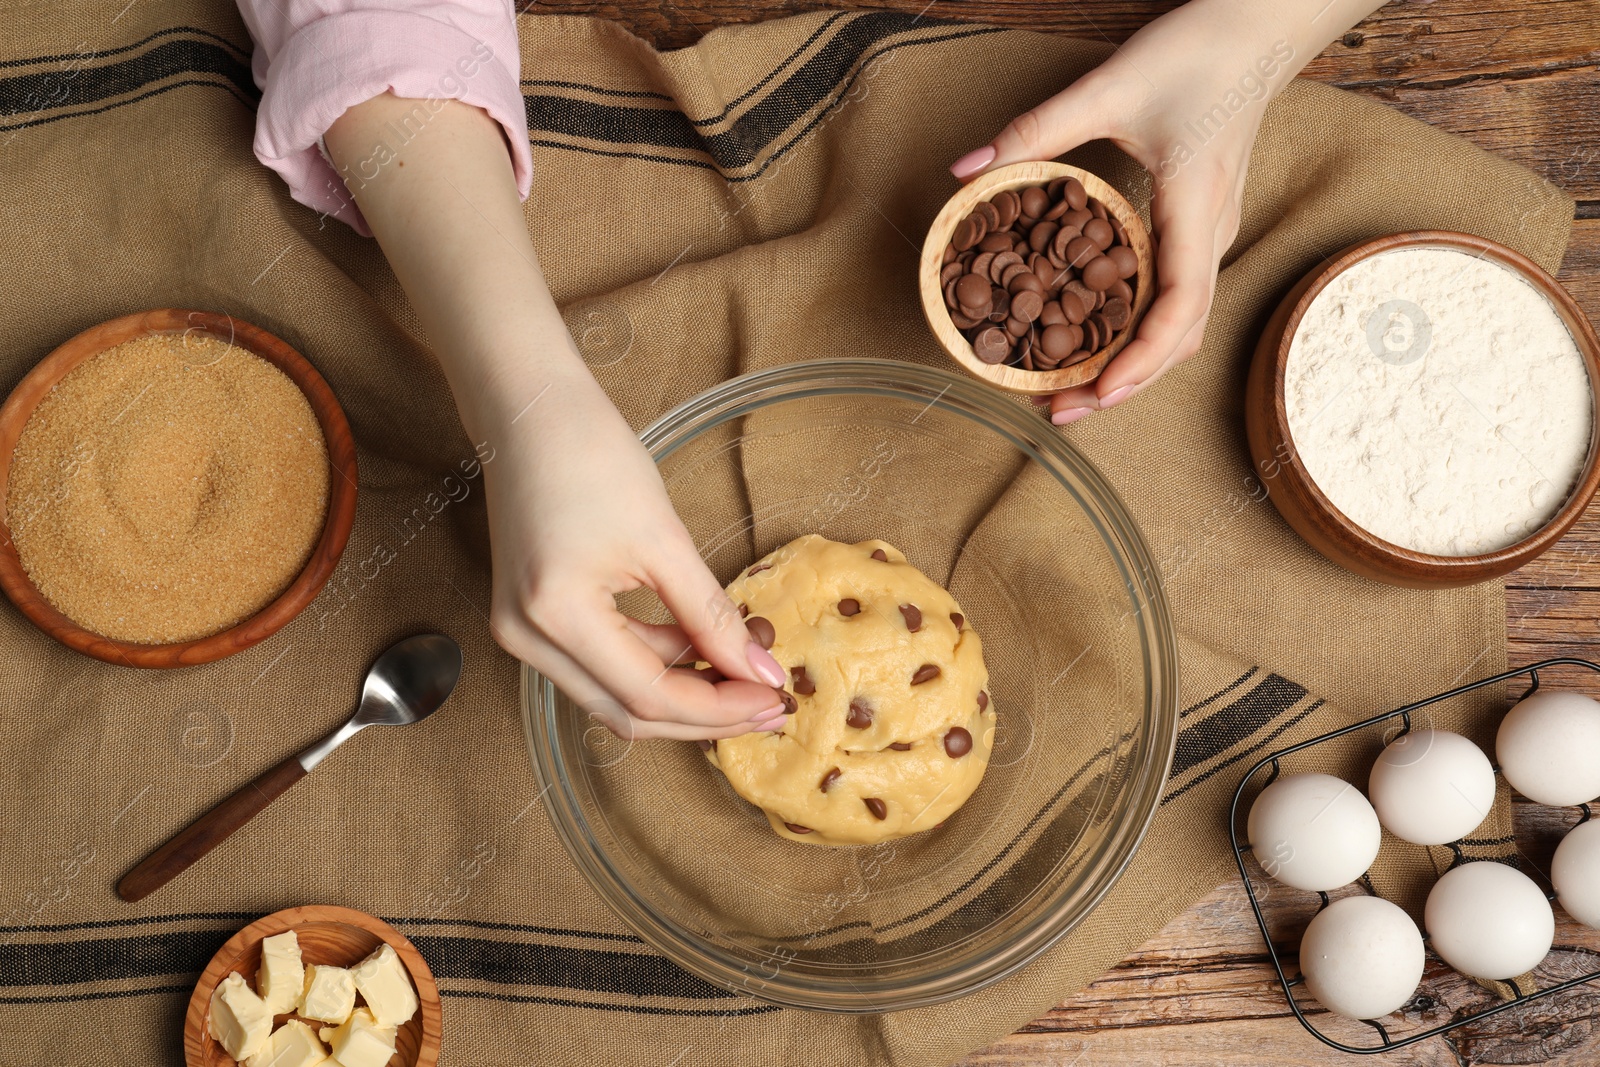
[(1470, 429)]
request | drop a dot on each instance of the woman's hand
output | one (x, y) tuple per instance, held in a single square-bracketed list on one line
[(1184, 97), (577, 512), (577, 515)]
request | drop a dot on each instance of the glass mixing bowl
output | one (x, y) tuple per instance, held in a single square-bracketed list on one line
[(986, 498)]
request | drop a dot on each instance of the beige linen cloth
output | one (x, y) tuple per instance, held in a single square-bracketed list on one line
[(786, 172)]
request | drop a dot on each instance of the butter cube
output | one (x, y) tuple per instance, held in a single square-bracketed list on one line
[(282, 977), (240, 1020), (291, 1045), (329, 994), (382, 979), (360, 1042)]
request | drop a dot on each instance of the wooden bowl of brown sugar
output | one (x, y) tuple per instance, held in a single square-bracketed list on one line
[(175, 487), (1041, 243)]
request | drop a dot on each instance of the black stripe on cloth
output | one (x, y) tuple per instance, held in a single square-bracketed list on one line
[(147, 920), (633, 1009), (36, 93), (1219, 694), (524, 963), (1223, 765), (831, 72), (113, 994), (171, 31), (1223, 729)]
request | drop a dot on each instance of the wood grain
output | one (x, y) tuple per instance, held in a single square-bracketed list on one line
[(1308, 510), (208, 831), (959, 206), (336, 525), (334, 936)]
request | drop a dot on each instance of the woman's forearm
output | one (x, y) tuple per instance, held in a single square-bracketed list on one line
[(434, 181)]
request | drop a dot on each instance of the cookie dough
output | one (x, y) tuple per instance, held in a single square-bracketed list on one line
[(890, 722)]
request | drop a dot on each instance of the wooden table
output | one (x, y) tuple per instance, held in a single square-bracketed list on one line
[(1521, 79)]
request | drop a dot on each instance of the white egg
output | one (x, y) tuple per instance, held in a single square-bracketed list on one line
[(1362, 957), (1575, 872), (1314, 831), (1549, 748), (1489, 920), (1432, 787)]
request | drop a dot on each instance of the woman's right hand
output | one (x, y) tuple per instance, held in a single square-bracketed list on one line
[(577, 515)]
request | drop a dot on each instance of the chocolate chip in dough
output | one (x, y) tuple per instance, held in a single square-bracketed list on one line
[(900, 746), (880, 555), (828, 779), (879, 809), (983, 700), (860, 715), (913, 616), (744, 611), (958, 619), (790, 704), (761, 630), (849, 606), (796, 828), (958, 742), (925, 673), (707, 746), (802, 681)]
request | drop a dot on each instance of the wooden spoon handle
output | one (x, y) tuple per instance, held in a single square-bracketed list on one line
[(208, 831)]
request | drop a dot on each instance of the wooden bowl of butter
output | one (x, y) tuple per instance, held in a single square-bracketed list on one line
[(299, 985), (1422, 409)]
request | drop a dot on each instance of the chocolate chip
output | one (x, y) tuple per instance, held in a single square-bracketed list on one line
[(1073, 192), (1059, 341), (1099, 231), (949, 254), (900, 746), (1027, 281), (1080, 250), (802, 681), (983, 700), (761, 630), (1120, 289), (1116, 312), (790, 704), (1040, 236), (860, 715), (959, 619), (950, 272), (1099, 273), (879, 809), (1026, 305), (849, 606), (925, 673), (1016, 327), (757, 569), (1124, 260), (972, 291), (1035, 202), (744, 611), (987, 212), (828, 779), (880, 555), (796, 828), (992, 345), (966, 235), (958, 742), (1073, 307), (1052, 315), (1001, 264), (995, 242), (980, 265), (707, 746), (1008, 205), (1098, 210), (913, 616)]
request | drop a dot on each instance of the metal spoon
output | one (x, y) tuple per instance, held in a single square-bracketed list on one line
[(404, 685)]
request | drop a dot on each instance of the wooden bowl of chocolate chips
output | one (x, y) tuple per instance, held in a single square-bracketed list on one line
[(1035, 275)]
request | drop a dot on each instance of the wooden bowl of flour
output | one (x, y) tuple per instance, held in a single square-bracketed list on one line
[(1308, 509)]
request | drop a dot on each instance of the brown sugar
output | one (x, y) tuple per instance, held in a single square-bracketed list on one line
[(168, 489)]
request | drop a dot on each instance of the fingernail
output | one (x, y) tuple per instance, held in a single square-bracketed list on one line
[(762, 717), (1070, 415), (761, 661), (768, 727), (1115, 397), (973, 162)]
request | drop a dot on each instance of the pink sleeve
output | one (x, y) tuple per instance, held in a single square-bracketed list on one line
[(315, 59)]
